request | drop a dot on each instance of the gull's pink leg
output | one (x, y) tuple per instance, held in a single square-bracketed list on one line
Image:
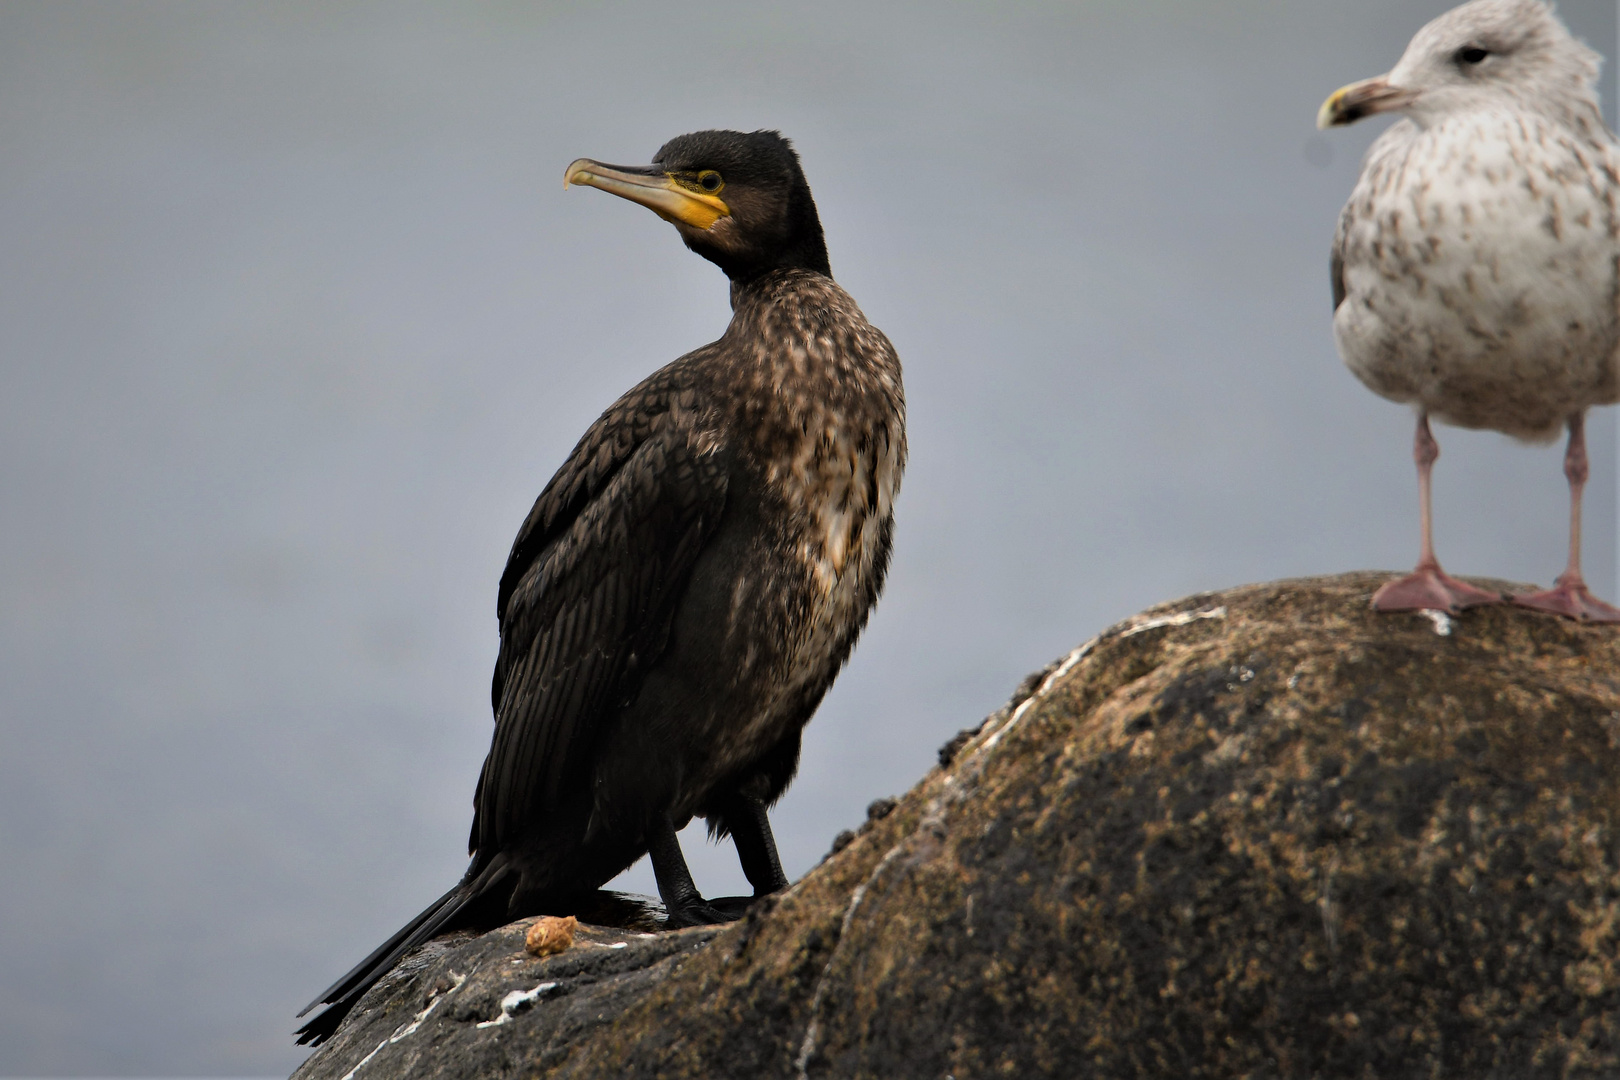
[(1569, 595), (1428, 586)]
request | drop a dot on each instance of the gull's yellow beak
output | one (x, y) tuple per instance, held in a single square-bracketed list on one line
[(1350, 103), (653, 188)]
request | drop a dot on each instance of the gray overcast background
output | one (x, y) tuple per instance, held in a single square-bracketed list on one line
[(296, 319)]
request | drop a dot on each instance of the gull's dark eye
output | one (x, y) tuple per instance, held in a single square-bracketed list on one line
[(1471, 54), (710, 181)]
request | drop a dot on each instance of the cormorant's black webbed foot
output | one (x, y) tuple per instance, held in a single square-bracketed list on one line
[(733, 907), (699, 912)]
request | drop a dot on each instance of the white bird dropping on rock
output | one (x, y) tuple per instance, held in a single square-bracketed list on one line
[(1476, 267)]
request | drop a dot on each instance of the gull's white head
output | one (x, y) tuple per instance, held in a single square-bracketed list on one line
[(1484, 54)]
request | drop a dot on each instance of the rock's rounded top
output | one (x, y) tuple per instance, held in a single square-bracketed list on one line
[(1265, 831)]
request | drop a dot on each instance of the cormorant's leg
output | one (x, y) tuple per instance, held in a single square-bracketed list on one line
[(1569, 595), (756, 847), (1428, 586), (683, 904)]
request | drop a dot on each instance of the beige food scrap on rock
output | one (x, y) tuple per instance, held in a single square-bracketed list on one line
[(551, 935)]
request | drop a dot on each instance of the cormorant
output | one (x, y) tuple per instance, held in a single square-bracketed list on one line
[(691, 580)]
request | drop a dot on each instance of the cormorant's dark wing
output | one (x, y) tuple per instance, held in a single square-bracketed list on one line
[(587, 596)]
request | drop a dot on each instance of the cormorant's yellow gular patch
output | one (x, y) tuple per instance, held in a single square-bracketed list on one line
[(691, 201)]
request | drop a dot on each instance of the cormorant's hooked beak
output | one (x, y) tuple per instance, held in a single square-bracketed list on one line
[(653, 188), (1350, 103)]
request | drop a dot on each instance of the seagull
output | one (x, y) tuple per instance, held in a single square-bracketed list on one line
[(1476, 267)]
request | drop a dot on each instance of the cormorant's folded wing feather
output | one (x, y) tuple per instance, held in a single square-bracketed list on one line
[(593, 582), (601, 452)]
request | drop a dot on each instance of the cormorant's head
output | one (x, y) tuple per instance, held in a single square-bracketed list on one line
[(739, 200)]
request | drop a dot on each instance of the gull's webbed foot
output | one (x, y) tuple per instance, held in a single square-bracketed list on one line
[(1570, 598), (1429, 588)]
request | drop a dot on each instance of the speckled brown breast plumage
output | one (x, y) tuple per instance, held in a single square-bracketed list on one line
[(692, 579), (819, 396)]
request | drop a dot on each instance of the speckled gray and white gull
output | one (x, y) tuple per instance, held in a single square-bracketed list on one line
[(1476, 266)]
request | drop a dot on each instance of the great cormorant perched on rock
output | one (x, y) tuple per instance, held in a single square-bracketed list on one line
[(691, 580)]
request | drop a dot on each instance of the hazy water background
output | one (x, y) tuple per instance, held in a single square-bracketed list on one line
[(296, 320)]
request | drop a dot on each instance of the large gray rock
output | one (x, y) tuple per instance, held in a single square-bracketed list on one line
[(1265, 832)]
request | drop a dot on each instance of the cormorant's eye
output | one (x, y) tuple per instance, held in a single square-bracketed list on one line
[(710, 181), (1471, 54)]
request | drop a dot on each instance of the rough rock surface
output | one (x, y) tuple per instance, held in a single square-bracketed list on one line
[(1260, 833)]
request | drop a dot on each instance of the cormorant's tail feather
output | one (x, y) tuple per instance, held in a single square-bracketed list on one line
[(322, 1027), (343, 994), (364, 967)]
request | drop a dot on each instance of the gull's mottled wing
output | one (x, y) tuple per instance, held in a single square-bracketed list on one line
[(1384, 158)]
